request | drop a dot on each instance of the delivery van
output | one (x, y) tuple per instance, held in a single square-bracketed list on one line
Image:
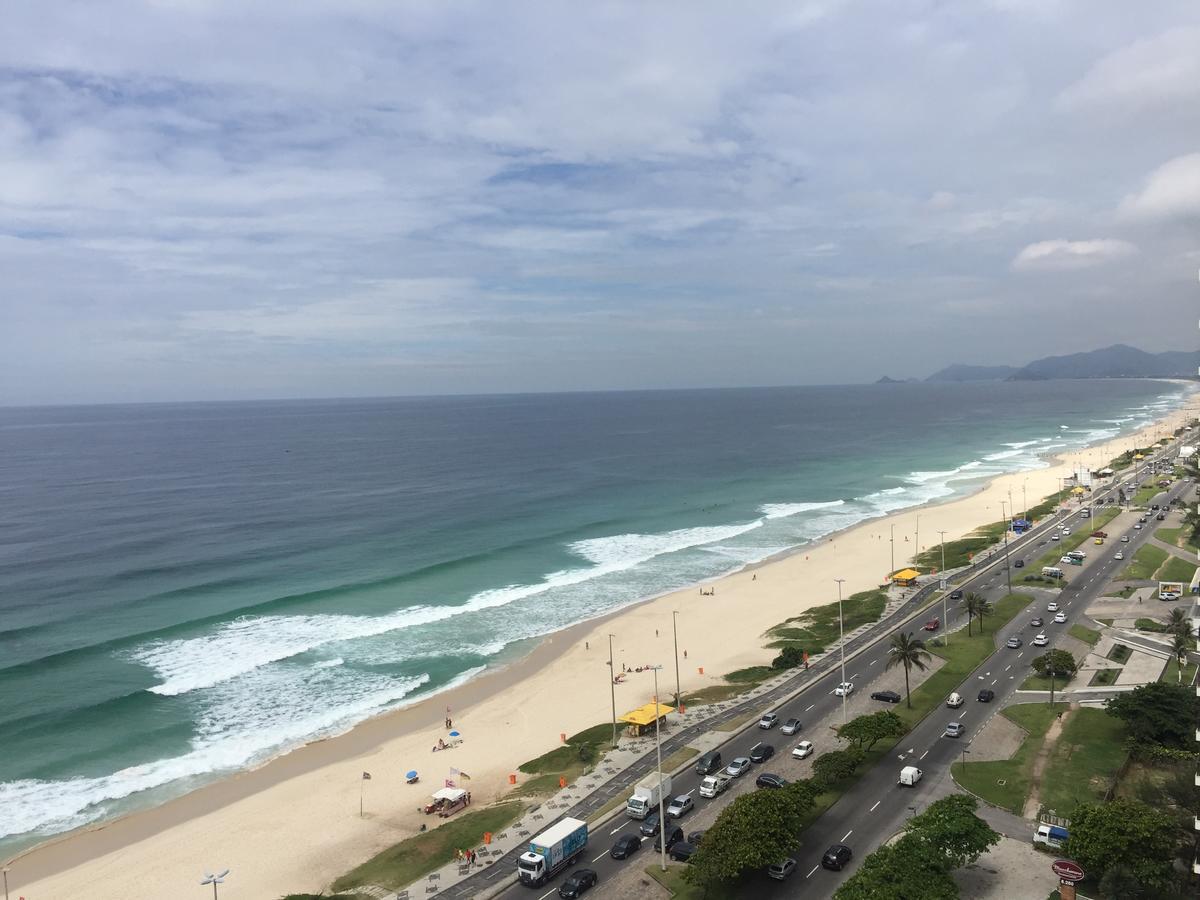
[(1052, 571)]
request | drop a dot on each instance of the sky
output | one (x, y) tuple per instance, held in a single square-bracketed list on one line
[(214, 199)]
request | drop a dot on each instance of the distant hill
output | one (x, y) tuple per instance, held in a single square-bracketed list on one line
[(886, 380), (1117, 361), (960, 372)]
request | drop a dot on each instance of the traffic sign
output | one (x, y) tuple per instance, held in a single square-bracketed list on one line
[(1067, 870)]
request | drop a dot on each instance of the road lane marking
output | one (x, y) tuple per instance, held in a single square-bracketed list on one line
[(814, 868), (963, 713), (874, 661), (847, 837), (600, 857), (923, 755), (618, 828), (872, 809), (1006, 668), (994, 680), (547, 894), (809, 707)]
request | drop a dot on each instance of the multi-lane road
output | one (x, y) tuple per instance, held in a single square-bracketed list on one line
[(876, 806)]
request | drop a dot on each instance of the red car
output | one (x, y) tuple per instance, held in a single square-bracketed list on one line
[(933, 624)]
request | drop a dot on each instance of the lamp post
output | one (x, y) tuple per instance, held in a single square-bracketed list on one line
[(675, 636), (214, 880), (5, 871), (916, 536), (842, 643), (612, 688), (945, 614), (662, 819), (1007, 525), (892, 542), (1024, 500)]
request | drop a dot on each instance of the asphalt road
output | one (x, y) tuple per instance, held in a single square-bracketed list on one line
[(875, 807)]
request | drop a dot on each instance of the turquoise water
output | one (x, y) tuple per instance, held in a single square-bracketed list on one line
[(188, 590)]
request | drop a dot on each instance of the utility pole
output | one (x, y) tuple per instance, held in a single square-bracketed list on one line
[(1007, 566), (842, 632), (662, 818), (945, 615), (675, 635), (892, 541), (917, 537), (612, 687)]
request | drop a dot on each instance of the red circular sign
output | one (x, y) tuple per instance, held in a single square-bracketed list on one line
[(1067, 870)]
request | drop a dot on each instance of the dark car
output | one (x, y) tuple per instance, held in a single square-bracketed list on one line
[(886, 696), (1036, 622), (625, 847), (709, 763), (761, 752), (1019, 564), (956, 595), (836, 857), (987, 695), (767, 780), (682, 851), (696, 838), (577, 883), (674, 836), (649, 825)]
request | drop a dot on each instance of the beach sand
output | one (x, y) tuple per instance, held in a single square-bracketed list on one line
[(293, 825)]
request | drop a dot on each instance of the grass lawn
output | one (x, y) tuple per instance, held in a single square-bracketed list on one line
[(959, 553), (716, 693), (1145, 563), (1105, 676), (1171, 672), (1149, 625), (753, 675), (983, 778), (1169, 535), (571, 760), (1038, 683), (402, 864), (1085, 634), (817, 628), (1177, 569), (1083, 761)]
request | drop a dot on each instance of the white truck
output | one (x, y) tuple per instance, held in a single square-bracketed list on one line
[(646, 796), (553, 850), (712, 785), (909, 776)]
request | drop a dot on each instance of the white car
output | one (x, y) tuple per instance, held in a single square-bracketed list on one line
[(1119, 555), (679, 806), (1054, 537), (770, 720), (845, 689), (1059, 618), (1124, 539), (1137, 525), (1040, 641), (802, 749), (1051, 606), (791, 726), (1066, 531), (738, 766)]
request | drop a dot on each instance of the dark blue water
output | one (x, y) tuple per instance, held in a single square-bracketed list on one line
[(186, 590)]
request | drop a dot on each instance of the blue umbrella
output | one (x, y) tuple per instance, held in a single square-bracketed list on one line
[(411, 774), (454, 734)]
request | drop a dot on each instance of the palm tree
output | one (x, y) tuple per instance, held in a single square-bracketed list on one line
[(1180, 646), (907, 651), (1177, 621), (976, 605)]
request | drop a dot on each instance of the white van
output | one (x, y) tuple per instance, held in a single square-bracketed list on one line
[(1052, 572), (909, 776)]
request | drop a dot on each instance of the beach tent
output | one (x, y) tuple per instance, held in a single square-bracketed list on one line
[(641, 720), (1138, 456), (1078, 490), (450, 795), (906, 577), (1106, 472)]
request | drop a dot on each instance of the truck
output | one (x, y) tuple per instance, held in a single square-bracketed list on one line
[(909, 776), (646, 796), (1051, 835), (553, 850), (712, 785)]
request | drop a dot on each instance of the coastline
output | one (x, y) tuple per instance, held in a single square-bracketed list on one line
[(292, 824)]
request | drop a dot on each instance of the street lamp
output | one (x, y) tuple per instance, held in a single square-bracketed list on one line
[(612, 688), (1007, 525), (892, 542), (662, 818), (5, 871), (842, 631), (945, 615), (214, 880), (675, 636)]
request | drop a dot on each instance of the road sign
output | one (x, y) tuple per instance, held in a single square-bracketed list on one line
[(1067, 870)]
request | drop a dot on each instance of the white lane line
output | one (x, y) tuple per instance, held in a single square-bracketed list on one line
[(872, 809), (994, 680), (600, 857), (618, 828), (923, 755), (847, 837), (874, 661), (963, 713), (547, 894), (1006, 668), (809, 707), (814, 868)]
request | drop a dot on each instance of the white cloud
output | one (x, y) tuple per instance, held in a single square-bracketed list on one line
[(1063, 254), (1155, 71), (1172, 191)]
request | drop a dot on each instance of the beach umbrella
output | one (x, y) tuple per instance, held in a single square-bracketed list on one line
[(412, 773), (454, 734)]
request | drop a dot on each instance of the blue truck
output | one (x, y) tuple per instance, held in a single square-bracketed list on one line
[(553, 850)]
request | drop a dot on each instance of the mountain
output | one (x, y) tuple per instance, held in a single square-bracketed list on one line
[(1117, 361), (886, 380), (960, 372)]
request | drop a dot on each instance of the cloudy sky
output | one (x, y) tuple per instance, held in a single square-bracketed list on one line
[(222, 199)]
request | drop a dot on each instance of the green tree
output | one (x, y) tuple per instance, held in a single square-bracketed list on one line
[(1127, 832), (1058, 663), (788, 658), (951, 833), (1158, 713), (1121, 883), (899, 871), (836, 765), (753, 831), (865, 731), (907, 651), (975, 605), (1178, 621)]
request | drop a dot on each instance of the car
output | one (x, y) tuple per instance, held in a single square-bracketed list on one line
[(782, 869), (836, 857), (1154, 506), (673, 837), (987, 695), (1066, 531), (649, 826), (578, 883), (933, 624), (770, 720), (1124, 539), (761, 752), (1137, 526), (845, 689), (802, 750), (682, 851), (1040, 641), (1019, 564), (768, 780), (679, 807), (1118, 555), (626, 846), (1014, 642), (1052, 606), (886, 696), (954, 729), (737, 766), (696, 838), (709, 763), (1054, 537), (955, 700), (956, 595), (791, 726), (1059, 618), (1035, 622), (1160, 517)]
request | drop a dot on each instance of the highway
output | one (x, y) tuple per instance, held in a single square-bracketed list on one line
[(875, 807)]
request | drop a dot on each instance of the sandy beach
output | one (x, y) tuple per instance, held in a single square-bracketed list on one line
[(294, 824)]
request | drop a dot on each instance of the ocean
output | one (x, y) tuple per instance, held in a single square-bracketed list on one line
[(189, 590)]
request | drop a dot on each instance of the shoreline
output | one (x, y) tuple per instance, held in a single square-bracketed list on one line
[(307, 798)]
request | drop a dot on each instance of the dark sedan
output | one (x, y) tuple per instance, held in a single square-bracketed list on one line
[(682, 851), (836, 857), (768, 780), (578, 883), (886, 696), (987, 695), (625, 847)]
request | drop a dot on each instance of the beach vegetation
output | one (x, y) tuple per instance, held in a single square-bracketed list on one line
[(866, 731), (403, 863), (789, 658), (816, 629), (1158, 713), (1083, 633), (751, 675), (960, 552), (907, 651)]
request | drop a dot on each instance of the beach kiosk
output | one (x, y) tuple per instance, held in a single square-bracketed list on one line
[(1020, 526), (641, 720), (447, 801), (906, 577)]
